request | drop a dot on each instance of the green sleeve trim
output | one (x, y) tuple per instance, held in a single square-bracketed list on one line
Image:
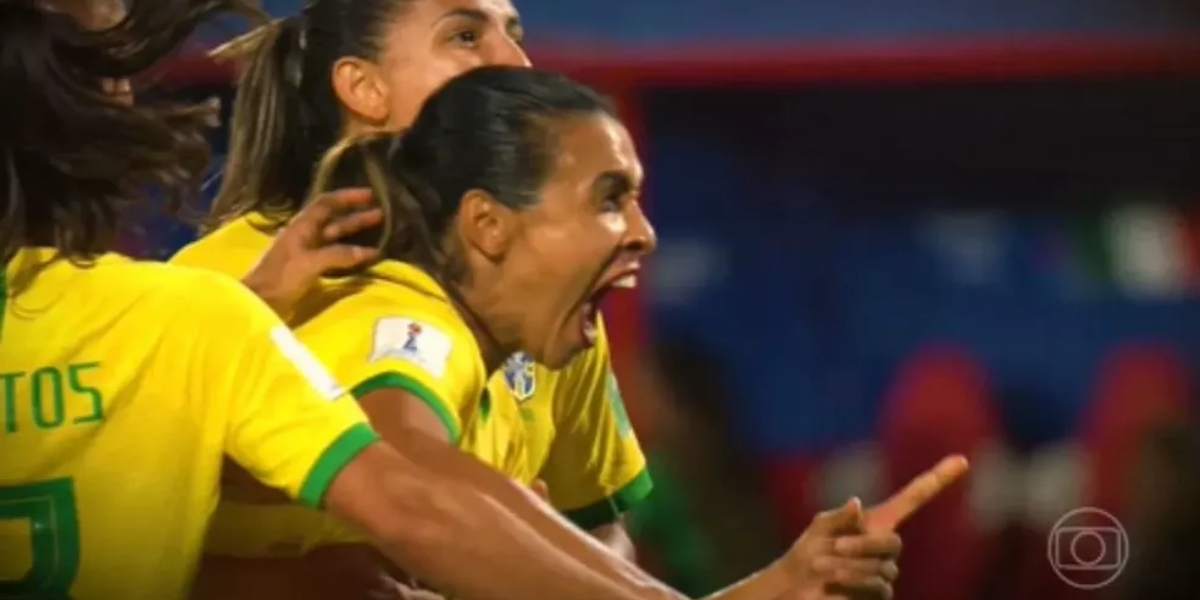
[(335, 458), (609, 509), (400, 381)]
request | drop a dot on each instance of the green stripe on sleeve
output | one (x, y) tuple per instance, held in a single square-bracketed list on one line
[(607, 510), (400, 381), (335, 458)]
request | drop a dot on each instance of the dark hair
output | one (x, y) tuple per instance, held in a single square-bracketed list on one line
[(286, 114), (74, 158), (488, 129)]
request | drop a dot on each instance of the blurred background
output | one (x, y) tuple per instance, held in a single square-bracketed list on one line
[(891, 230)]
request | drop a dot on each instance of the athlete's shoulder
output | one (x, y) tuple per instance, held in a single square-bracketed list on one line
[(390, 290), (179, 287), (382, 319), (231, 248)]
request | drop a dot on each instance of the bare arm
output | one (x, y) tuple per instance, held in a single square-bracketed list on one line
[(454, 536), (616, 538), (414, 430)]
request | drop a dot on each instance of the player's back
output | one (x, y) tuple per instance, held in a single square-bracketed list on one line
[(108, 475)]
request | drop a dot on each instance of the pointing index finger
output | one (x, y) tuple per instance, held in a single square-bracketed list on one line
[(925, 487)]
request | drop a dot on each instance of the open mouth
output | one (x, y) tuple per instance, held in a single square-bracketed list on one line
[(591, 307)]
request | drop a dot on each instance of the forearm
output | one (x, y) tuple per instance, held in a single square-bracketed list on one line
[(616, 539), (457, 538), (548, 524)]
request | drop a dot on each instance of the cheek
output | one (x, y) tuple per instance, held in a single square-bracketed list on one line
[(615, 224), (564, 257), (411, 85)]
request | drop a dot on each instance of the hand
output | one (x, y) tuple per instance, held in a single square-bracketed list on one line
[(816, 563), (850, 554), (304, 250)]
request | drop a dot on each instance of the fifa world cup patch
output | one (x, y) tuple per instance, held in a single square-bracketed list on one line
[(519, 375), (419, 343), (306, 363)]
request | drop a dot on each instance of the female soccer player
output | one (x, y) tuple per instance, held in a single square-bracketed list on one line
[(122, 387), (347, 67)]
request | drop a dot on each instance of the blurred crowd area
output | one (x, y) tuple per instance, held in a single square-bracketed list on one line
[(892, 231)]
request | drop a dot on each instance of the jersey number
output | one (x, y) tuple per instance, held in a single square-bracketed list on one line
[(49, 509)]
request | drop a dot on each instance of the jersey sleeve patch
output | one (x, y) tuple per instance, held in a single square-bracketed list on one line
[(413, 341), (308, 365)]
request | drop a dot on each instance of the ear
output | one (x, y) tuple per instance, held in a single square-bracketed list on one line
[(485, 224), (361, 89)]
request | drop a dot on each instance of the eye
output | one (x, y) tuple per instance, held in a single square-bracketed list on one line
[(467, 37), (611, 203), (518, 37)]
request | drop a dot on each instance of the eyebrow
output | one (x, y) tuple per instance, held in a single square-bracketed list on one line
[(613, 182), (513, 23)]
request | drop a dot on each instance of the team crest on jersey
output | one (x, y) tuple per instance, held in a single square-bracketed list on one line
[(518, 374)]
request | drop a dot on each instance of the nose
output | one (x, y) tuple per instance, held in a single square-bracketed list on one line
[(640, 238), (512, 55)]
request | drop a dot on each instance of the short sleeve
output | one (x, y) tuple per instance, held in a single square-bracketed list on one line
[(596, 469), (286, 420), (436, 363)]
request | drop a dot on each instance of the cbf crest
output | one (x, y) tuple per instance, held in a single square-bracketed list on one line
[(518, 374)]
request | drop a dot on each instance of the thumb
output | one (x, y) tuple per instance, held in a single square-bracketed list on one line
[(847, 517)]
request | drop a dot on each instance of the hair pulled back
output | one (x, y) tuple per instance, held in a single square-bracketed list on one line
[(490, 129), (286, 114)]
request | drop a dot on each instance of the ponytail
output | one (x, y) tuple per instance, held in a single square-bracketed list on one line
[(277, 134), (378, 161)]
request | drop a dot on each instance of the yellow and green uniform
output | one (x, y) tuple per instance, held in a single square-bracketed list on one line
[(391, 328), (121, 391), (578, 437)]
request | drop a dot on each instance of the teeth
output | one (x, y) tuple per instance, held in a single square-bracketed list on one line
[(627, 282)]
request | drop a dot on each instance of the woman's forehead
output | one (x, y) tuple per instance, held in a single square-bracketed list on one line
[(594, 147), (436, 10)]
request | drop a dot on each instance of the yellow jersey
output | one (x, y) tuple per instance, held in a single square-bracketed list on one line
[(121, 391), (578, 437), (391, 328)]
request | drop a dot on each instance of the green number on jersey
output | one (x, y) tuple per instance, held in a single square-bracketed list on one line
[(49, 508)]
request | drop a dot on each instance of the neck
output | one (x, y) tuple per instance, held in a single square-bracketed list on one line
[(480, 307)]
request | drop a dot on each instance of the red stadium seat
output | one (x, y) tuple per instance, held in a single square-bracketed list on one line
[(940, 404), (1137, 388)]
